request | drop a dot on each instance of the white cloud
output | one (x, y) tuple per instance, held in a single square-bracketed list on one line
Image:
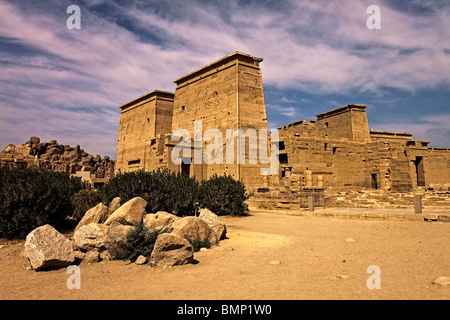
[(434, 128), (290, 112), (312, 46)]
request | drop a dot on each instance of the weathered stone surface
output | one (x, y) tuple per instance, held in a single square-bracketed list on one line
[(56, 157), (442, 281), (97, 214), (140, 260), (116, 233), (35, 140), (171, 250), (195, 229), (92, 256), (160, 221), (114, 205), (90, 236), (214, 222), (46, 248), (130, 212)]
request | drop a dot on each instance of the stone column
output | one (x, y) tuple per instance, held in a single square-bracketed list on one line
[(308, 178), (311, 203), (417, 203), (320, 181)]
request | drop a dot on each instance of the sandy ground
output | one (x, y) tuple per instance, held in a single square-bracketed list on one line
[(266, 256)]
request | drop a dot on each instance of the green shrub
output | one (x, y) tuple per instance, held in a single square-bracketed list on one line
[(30, 198), (198, 243), (139, 241), (83, 201), (162, 189), (223, 195)]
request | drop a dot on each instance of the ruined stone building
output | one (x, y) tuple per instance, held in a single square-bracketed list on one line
[(53, 156), (337, 152)]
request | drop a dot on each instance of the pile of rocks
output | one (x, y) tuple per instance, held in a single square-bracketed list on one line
[(57, 157), (103, 228)]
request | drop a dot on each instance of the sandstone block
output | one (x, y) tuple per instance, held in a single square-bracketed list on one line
[(171, 250), (130, 212), (442, 281), (160, 221), (214, 222), (195, 229), (358, 215), (97, 214), (375, 216), (92, 256), (140, 260), (35, 140), (412, 217), (114, 205), (90, 236), (394, 216), (46, 248)]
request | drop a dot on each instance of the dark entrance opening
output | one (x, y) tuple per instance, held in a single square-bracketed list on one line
[(374, 181), (420, 171), (185, 168)]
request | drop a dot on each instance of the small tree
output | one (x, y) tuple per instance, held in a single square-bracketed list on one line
[(224, 196)]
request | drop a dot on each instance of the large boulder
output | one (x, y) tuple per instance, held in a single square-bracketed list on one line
[(114, 205), (46, 248), (214, 222), (90, 236), (195, 229), (116, 233), (35, 140), (130, 212), (160, 221), (171, 250), (97, 214)]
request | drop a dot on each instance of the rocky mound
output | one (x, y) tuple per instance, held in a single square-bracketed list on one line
[(57, 157), (104, 228)]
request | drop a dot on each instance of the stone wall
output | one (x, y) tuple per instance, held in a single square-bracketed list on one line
[(226, 94), (143, 122)]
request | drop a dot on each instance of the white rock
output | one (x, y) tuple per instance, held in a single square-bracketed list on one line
[(46, 248), (130, 212)]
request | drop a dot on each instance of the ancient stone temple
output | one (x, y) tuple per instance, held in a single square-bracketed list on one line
[(226, 94), (218, 112)]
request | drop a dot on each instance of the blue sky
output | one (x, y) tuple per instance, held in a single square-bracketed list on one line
[(64, 84)]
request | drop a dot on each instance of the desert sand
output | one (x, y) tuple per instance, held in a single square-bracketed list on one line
[(265, 256)]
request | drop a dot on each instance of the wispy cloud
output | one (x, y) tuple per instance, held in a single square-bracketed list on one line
[(289, 112), (433, 128), (58, 82)]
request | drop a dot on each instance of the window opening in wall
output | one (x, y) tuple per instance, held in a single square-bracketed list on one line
[(134, 162), (281, 145), (185, 168), (334, 150), (283, 158), (374, 181)]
